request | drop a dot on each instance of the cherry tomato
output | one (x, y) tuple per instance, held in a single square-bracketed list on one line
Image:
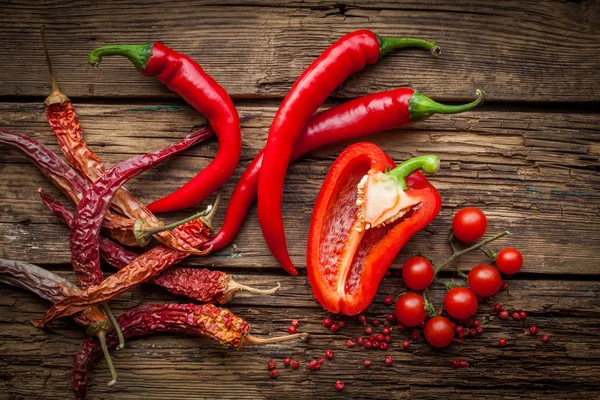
[(509, 260), (469, 224), (460, 303), (410, 309), (484, 280), (417, 273), (439, 331)]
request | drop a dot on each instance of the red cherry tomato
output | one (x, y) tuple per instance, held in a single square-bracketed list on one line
[(509, 260), (439, 331), (460, 303), (484, 280), (469, 224), (417, 273), (410, 309)]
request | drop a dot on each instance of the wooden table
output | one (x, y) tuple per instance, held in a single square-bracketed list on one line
[(528, 158)]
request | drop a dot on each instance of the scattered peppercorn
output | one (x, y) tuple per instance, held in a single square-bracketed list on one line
[(375, 322), (367, 363), (498, 307), (388, 300), (545, 338), (341, 324), (479, 330), (502, 342), (350, 343), (460, 341), (390, 317), (422, 325), (401, 327), (455, 364), (334, 328), (295, 364), (339, 386), (292, 329), (311, 365), (415, 335), (271, 365), (329, 354), (273, 373), (476, 323), (463, 364), (362, 319), (533, 330), (379, 337), (383, 346), (368, 330), (388, 361), (317, 367), (523, 314), (388, 274), (406, 344), (287, 361), (459, 329), (504, 314), (516, 316), (368, 344), (503, 286), (472, 331), (375, 344), (327, 322), (387, 338), (361, 341), (385, 331)]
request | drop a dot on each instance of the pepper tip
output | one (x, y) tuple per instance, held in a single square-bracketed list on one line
[(436, 50)]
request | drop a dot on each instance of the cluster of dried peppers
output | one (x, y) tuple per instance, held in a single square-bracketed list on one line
[(378, 209)]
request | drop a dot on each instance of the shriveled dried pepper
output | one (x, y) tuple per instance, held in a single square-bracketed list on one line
[(197, 284), (142, 269), (52, 287), (185, 77), (67, 129), (206, 320), (67, 180)]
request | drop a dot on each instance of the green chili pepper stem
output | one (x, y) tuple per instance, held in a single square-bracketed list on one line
[(429, 164), (113, 320), (143, 234), (113, 372), (138, 54), (421, 107), (387, 44)]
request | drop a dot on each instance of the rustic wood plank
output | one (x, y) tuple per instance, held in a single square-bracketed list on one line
[(515, 50), (174, 366), (534, 173)]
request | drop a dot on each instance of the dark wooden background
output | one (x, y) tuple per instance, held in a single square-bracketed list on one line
[(529, 158)]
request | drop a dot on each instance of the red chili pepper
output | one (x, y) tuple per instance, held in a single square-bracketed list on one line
[(207, 320), (349, 54), (359, 117), (363, 216), (186, 78)]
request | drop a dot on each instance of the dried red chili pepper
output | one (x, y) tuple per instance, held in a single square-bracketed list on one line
[(363, 216), (85, 229), (197, 284), (359, 117), (52, 287), (206, 320), (349, 54), (67, 129), (186, 78), (142, 269), (67, 180)]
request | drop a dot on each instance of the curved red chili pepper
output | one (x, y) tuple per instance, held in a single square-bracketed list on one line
[(363, 116), (346, 261), (186, 78), (349, 54)]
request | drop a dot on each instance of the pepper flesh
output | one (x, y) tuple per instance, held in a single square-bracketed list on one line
[(186, 78), (349, 54), (363, 116), (346, 264)]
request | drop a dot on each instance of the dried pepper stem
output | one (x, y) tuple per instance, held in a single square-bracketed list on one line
[(115, 324), (111, 367), (253, 341), (234, 287)]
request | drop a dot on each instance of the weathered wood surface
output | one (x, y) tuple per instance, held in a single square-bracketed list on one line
[(533, 172), (174, 366), (515, 50), (531, 166)]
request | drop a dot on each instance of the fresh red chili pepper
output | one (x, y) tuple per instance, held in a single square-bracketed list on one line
[(67, 129), (85, 229), (207, 320), (349, 54), (67, 180), (52, 287), (197, 284), (186, 78), (363, 216), (142, 269), (359, 117)]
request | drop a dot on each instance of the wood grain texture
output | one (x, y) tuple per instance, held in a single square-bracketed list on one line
[(515, 50), (534, 173), (35, 362)]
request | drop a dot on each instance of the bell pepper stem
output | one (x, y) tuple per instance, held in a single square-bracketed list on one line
[(387, 44), (428, 164), (421, 107), (468, 249), (138, 54), (113, 372), (113, 320)]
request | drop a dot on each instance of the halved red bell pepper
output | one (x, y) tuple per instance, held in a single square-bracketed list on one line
[(366, 211)]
